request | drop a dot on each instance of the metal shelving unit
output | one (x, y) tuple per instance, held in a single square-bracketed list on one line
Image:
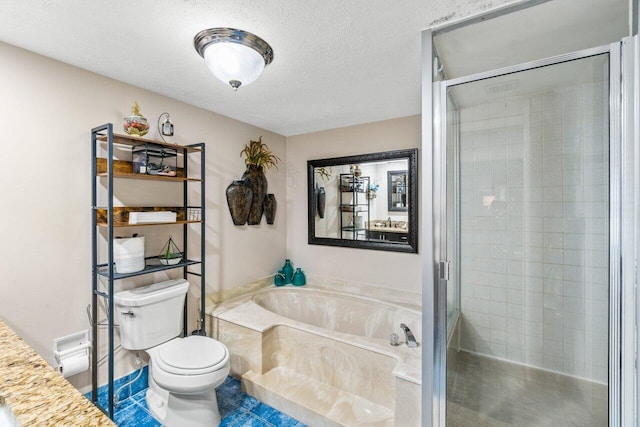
[(357, 188), (103, 136)]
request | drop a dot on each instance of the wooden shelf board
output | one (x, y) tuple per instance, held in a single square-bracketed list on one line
[(136, 140), (126, 224), (150, 177)]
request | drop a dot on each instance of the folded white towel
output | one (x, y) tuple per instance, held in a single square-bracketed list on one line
[(151, 217)]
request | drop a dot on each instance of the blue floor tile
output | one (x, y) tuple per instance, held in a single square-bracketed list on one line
[(263, 411), (134, 415), (142, 382), (226, 407), (237, 409), (230, 386)]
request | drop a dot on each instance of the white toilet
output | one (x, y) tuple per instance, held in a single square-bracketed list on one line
[(183, 372)]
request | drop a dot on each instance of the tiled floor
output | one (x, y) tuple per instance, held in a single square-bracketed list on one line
[(485, 392), (236, 408)]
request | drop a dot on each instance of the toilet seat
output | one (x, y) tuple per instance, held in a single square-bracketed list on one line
[(190, 365), (192, 355)]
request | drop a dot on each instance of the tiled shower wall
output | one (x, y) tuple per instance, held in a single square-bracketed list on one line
[(534, 230)]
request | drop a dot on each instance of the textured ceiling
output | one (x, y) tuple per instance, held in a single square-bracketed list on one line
[(549, 29), (337, 62)]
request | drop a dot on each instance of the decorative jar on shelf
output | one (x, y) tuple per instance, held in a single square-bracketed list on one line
[(136, 124)]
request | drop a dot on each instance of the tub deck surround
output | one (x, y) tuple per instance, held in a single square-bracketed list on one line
[(404, 299), (37, 394), (321, 352), (212, 299)]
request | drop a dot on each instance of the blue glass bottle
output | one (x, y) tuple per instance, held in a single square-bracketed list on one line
[(298, 278), (279, 278), (287, 270)]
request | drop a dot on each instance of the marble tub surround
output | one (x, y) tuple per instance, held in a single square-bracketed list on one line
[(36, 393), (351, 385), (321, 353), (217, 297), (409, 300)]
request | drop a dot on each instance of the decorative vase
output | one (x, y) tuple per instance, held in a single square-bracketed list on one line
[(322, 198), (239, 197), (135, 124), (287, 270), (279, 278), (298, 278), (270, 207), (258, 181)]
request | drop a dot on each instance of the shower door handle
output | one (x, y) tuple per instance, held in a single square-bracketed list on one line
[(444, 270)]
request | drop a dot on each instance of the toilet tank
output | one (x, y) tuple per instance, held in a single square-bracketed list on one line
[(150, 315)]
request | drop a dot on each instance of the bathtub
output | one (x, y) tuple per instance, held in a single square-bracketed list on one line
[(323, 355), (340, 312)]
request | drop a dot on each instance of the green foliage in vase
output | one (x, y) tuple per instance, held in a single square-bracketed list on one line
[(257, 154), (324, 172)]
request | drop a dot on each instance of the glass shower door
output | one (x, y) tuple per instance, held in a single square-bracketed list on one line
[(527, 231)]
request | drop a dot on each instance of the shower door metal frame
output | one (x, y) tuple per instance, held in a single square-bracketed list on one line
[(439, 115)]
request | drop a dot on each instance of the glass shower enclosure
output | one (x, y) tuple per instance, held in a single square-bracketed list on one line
[(532, 309)]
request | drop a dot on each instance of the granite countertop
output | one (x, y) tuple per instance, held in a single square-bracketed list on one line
[(388, 229), (36, 393)]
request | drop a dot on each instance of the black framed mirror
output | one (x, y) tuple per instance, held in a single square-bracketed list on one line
[(366, 201), (397, 191)]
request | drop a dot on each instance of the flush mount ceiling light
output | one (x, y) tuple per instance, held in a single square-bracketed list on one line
[(234, 56)]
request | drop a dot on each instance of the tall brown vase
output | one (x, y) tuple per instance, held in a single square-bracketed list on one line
[(270, 206), (239, 197), (255, 176), (322, 197)]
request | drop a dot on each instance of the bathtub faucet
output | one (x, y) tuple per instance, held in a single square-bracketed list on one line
[(411, 340)]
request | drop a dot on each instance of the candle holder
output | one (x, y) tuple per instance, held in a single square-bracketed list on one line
[(166, 128)]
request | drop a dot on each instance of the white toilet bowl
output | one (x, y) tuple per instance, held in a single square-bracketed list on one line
[(183, 372), (183, 376)]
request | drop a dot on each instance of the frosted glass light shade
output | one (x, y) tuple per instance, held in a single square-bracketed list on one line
[(232, 62), (234, 56)]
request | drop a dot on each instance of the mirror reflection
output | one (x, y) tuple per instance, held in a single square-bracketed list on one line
[(397, 190), (364, 201)]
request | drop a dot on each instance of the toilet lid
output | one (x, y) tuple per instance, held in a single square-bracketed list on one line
[(193, 353)]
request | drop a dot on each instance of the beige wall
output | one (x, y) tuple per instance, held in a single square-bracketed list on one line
[(46, 113), (47, 110), (387, 269)]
